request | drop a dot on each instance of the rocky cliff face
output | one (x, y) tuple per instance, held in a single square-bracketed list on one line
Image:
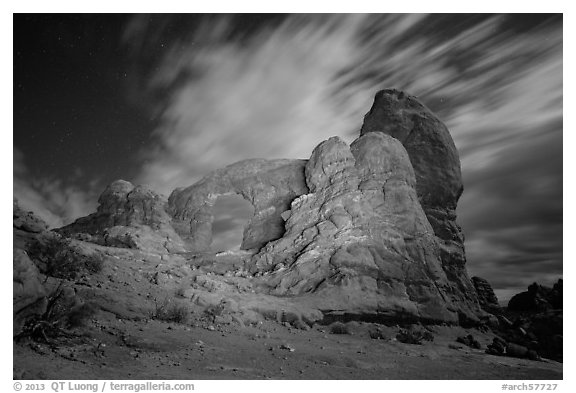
[(437, 168), (486, 296)]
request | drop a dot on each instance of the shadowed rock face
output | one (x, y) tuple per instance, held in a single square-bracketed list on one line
[(269, 185), (128, 216), (486, 296), (437, 168)]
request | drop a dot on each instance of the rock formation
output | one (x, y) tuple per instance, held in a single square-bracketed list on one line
[(437, 167), (360, 231), (269, 185), (26, 221), (131, 217), (486, 296), (538, 298), (359, 243), (29, 295)]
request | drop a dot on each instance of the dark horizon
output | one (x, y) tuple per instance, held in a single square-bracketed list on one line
[(165, 99)]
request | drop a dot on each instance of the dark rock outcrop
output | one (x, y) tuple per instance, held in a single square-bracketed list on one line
[(131, 217), (486, 296), (437, 167), (534, 320), (269, 185), (538, 298)]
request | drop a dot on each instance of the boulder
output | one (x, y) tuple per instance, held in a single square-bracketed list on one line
[(27, 221)]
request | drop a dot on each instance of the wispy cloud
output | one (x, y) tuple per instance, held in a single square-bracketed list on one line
[(52, 200)]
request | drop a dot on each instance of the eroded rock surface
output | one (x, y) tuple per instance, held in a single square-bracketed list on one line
[(437, 168), (269, 185), (486, 296), (359, 243), (128, 216), (29, 295), (27, 221)]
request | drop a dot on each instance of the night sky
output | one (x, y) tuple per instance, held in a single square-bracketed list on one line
[(164, 99)]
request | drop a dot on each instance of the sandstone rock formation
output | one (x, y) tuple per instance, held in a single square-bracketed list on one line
[(359, 243), (270, 185), (538, 298), (437, 167), (486, 296), (360, 231), (29, 295), (131, 217), (27, 221)]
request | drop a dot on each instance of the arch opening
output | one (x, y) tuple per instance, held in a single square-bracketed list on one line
[(231, 215)]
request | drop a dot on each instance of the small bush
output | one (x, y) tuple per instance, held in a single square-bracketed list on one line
[(58, 258), (339, 328), (93, 263), (79, 315), (377, 334), (58, 317), (171, 311), (414, 336)]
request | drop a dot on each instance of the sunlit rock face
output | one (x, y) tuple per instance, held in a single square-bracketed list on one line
[(360, 243), (129, 216), (437, 168), (269, 185)]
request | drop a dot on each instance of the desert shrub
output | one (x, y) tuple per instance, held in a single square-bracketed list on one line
[(169, 310), (414, 336), (339, 328), (93, 263), (58, 317), (79, 315), (57, 257), (214, 310), (377, 334)]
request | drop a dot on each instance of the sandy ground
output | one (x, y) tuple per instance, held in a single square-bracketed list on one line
[(121, 341), (119, 349)]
